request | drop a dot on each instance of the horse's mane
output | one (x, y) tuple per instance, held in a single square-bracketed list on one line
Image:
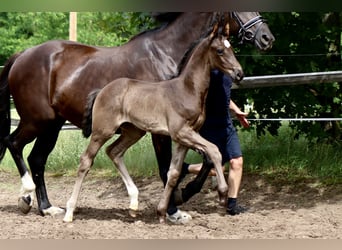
[(163, 18), (217, 18)]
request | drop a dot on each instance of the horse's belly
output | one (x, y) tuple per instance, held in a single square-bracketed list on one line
[(150, 123)]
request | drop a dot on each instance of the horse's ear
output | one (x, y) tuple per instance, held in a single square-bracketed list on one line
[(215, 28), (227, 29)]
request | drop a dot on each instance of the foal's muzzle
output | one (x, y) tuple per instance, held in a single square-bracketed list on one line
[(238, 75)]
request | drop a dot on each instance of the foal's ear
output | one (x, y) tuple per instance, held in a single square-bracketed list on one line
[(213, 33), (227, 29)]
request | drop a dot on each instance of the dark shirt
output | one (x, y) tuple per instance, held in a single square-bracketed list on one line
[(217, 103)]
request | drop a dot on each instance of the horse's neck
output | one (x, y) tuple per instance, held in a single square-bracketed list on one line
[(196, 72), (184, 31)]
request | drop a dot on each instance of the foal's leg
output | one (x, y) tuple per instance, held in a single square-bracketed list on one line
[(173, 174), (86, 161), (190, 138), (163, 148), (129, 135)]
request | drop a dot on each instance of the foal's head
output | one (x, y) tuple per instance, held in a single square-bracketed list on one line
[(221, 54)]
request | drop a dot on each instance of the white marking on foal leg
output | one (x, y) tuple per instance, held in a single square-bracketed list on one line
[(133, 194), (69, 214)]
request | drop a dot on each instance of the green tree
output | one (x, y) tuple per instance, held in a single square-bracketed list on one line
[(305, 42), (21, 30), (111, 28)]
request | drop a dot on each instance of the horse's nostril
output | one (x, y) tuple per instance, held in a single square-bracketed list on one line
[(265, 37), (239, 74)]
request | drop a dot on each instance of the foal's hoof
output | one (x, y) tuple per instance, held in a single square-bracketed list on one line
[(25, 204), (133, 213), (223, 202), (162, 220)]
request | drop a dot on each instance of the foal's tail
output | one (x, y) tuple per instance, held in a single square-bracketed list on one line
[(88, 113), (5, 114)]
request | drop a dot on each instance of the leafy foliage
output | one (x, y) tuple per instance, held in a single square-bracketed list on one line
[(305, 42), (21, 30)]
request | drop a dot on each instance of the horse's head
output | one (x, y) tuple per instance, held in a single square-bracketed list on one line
[(252, 28), (222, 56)]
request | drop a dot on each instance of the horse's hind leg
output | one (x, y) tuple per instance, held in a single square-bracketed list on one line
[(129, 135), (163, 149), (86, 161), (173, 174), (16, 143), (37, 160)]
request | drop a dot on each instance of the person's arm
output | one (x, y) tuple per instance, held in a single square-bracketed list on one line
[(241, 116)]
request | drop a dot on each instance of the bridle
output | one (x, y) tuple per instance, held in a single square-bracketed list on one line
[(244, 34)]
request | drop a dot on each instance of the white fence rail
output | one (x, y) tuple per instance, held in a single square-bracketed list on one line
[(273, 81), (289, 79)]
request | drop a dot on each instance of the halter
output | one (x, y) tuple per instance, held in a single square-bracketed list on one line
[(244, 33)]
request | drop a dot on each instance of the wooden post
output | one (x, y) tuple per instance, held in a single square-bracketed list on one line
[(73, 26)]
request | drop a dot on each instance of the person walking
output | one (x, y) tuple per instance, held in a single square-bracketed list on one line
[(218, 128)]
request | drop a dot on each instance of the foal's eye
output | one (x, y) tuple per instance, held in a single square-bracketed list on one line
[(219, 52)]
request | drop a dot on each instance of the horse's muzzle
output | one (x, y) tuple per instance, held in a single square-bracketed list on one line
[(238, 75)]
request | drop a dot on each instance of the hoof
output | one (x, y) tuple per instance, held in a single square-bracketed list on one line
[(223, 202), (54, 212), (133, 213), (162, 220), (25, 204), (67, 219)]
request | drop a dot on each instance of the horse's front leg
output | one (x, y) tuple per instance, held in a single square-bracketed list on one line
[(192, 139), (43, 146), (163, 149), (173, 174), (129, 136)]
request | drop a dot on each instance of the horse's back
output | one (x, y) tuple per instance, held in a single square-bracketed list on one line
[(47, 75)]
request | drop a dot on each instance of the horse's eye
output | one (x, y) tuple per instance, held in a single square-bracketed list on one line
[(219, 52), (248, 35)]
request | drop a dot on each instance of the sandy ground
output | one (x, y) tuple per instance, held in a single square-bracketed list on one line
[(276, 212)]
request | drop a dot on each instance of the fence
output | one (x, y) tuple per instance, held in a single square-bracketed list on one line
[(272, 81)]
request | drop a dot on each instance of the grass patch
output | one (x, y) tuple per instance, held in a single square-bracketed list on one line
[(280, 158)]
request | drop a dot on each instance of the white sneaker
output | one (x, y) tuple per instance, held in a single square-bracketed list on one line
[(180, 217)]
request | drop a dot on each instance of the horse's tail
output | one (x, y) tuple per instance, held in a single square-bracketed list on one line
[(88, 113), (5, 107)]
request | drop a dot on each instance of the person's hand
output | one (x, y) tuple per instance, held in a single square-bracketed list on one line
[(241, 116)]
